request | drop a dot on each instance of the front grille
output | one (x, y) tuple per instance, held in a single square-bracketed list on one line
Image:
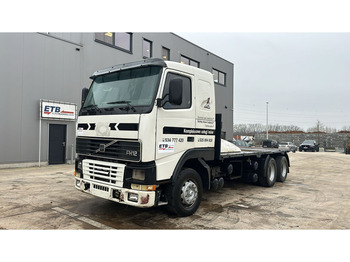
[(103, 172), (109, 148)]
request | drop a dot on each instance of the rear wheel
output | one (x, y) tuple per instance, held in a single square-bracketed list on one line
[(282, 168), (185, 193), (268, 176)]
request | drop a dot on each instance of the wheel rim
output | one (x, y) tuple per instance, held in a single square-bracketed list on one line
[(189, 193), (271, 172), (284, 169)]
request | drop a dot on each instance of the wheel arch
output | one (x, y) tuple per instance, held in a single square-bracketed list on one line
[(196, 159)]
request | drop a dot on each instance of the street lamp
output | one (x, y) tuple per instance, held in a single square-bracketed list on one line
[(267, 120)]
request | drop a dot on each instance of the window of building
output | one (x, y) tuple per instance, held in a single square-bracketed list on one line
[(186, 91), (188, 61), (104, 37), (122, 41), (219, 77), (147, 48), (194, 63), (165, 53)]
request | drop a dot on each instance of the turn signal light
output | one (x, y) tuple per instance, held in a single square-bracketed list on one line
[(143, 187)]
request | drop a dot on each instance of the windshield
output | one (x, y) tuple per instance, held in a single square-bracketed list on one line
[(128, 91)]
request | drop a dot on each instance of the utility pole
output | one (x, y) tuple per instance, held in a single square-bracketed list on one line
[(267, 120)]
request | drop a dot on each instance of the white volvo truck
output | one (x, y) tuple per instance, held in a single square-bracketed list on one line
[(148, 135)]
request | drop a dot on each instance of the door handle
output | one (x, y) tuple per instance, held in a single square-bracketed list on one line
[(64, 144)]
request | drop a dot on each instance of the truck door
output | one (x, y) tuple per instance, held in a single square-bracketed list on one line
[(175, 122)]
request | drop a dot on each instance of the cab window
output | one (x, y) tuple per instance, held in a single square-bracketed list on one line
[(186, 92)]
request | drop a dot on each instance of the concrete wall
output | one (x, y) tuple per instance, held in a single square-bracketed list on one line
[(33, 67)]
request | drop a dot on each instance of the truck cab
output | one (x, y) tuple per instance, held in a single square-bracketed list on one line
[(148, 135), (136, 123)]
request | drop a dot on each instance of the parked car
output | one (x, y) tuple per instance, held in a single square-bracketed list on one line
[(270, 143), (309, 145), (241, 143), (288, 146)]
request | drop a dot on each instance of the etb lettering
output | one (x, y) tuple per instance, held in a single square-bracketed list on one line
[(56, 109)]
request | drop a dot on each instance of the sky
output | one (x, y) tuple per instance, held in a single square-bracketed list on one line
[(304, 77)]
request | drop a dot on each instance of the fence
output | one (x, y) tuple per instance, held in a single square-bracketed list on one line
[(328, 141)]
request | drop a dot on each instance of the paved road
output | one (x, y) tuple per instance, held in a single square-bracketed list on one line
[(315, 195)]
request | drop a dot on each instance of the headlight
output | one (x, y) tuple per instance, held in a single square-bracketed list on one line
[(138, 174), (78, 168), (80, 165)]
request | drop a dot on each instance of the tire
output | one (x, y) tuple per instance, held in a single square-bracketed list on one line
[(282, 168), (268, 175), (185, 193)]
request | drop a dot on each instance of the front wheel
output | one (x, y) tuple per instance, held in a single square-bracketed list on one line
[(185, 194)]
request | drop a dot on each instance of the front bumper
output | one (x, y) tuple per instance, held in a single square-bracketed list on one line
[(306, 148), (126, 196)]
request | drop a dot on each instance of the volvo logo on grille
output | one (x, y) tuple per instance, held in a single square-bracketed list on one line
[(102, 148)]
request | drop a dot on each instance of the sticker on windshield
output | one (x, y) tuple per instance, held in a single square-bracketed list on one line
[(166, 147)]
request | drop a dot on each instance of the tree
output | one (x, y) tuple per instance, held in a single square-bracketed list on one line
[(245, 129), (320, 127)]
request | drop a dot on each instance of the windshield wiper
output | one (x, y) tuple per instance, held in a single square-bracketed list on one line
[(92, 107), (124, 102)]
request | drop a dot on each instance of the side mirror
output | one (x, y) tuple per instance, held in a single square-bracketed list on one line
[(175, 92), (84, 94)]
